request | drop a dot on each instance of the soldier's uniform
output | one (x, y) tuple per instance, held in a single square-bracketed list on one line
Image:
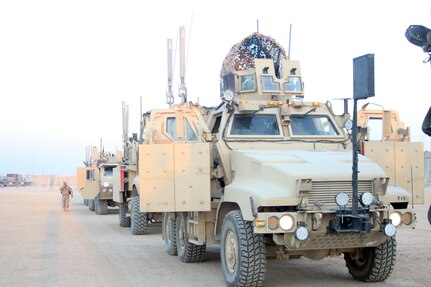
[(66, 191)]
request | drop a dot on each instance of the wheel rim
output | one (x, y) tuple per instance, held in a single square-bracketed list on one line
[(181, 234), (361, 258), (168, 230), (230, 250)]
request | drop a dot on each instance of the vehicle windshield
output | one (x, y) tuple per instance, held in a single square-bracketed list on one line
[(312, 125), (171, 130), (108, 170), (255, 125)]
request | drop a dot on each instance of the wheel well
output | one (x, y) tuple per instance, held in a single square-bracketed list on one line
[(221, 213)]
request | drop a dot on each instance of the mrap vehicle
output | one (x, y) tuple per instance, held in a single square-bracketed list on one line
[(126, 184), (95, 180), (266, 174), (386, 140)]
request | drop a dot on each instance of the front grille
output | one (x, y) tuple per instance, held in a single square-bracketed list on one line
[(346, 240), (323, 192)]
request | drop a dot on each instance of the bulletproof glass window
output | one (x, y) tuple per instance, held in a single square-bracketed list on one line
[(293, 85), (248, 83), (312, 125), (91, 174), (269, 84), (255, 125), (171, 130), (108, 170), (375, 129)]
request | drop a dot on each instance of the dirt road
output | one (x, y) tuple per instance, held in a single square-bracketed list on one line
[(40, 245)]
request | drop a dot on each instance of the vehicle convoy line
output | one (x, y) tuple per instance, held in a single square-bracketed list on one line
[(43, 246)]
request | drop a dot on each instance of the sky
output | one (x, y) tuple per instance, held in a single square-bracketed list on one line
[(67, 66)]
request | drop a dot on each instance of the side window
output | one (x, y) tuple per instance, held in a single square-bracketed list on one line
[(294, 85), (91, 174), (171, 130), (216, 126), (248, 83), (375, 129)]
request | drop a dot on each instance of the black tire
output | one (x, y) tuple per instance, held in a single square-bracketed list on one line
[(91, 206), (187, 252), (122, 213), (86, 202), (374, 264), (170, 232), (243, 253), (101, 206), (429, 214), (138, 219)]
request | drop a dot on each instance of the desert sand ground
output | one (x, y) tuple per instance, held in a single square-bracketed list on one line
[(40, 245)]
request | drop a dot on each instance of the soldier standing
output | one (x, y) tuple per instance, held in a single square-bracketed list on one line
[(66, 191)]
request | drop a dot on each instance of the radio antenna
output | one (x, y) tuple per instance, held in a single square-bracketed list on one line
[(169, 94), (290, 38), (182, 90)]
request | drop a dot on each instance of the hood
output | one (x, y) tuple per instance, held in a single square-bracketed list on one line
[(271, 175)]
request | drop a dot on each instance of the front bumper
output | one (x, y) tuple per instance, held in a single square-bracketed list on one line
[(330, 229)]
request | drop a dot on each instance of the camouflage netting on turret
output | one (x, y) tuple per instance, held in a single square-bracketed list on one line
[(241, 56)]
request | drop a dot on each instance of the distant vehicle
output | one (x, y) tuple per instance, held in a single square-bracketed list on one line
[(95, 181), (126, 191), (15, 179), (387, 141)]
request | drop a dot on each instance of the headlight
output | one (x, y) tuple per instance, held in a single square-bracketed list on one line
[(348, 124), (228, 95), (301, 233), (396, 218), (341, 199), (105, 184), (366, 198), (286, 222), (389, 230)]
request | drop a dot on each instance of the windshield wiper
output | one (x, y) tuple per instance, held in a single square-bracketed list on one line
[(301, 116)]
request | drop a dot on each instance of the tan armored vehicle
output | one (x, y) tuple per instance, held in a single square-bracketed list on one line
[(126, 185), (95, 180), (386, 141), (266, 174)]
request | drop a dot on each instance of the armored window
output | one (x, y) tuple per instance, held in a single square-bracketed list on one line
[(312, 125), (248, 83), (293, 85), (375, 128), (91, 174), (255, 125), (108, 170), (171, 130), (269, 84)]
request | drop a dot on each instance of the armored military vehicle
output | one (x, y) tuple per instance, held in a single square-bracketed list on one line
[(95, 180), (387, 141), (266, 173), (126, 184)]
